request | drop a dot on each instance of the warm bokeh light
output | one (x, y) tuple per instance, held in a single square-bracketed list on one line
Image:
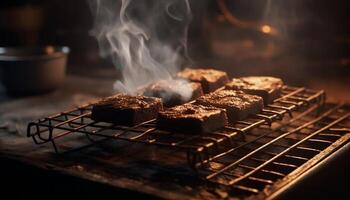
[(266, 29)]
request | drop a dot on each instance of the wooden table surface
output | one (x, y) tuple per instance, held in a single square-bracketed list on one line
[(138, 169), (118, 164)]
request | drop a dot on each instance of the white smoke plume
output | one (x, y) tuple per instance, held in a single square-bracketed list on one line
[(146, 39)]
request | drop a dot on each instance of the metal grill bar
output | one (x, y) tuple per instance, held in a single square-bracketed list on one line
[(263, 164), (266, 171), (200, 148), (271, 142), (311, 109)]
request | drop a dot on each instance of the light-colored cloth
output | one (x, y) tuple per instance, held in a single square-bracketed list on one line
[(16, 113)]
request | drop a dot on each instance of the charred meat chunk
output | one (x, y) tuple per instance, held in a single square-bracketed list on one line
[(173, 92), (210, 79), (269, 88), (238, 104), (190, 118), (126, 110)]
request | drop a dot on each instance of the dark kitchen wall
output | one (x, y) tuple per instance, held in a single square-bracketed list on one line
[(312, 38), (56, 22), (313, 35), (63, 22)]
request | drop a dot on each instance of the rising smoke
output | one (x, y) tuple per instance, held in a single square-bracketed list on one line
[(146, 39)]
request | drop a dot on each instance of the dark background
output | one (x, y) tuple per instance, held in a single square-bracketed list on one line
[(314, 36), (312, 50)]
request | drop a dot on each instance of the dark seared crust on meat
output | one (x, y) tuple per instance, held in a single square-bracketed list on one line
[(269, 88), (172, 92), (210, 79), (197, 90), (194, 119), (238, 105), (126, 110)]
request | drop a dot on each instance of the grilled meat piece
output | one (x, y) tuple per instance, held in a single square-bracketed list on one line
[(126, 110), (269, 88), (210, 79), (238, 105), (173, 92), (194, 119)]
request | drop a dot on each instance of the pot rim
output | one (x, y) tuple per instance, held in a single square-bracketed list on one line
[(58, 51)]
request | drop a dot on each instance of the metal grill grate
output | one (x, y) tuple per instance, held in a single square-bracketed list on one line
[(267, 155), (199, 148), (286, 138)]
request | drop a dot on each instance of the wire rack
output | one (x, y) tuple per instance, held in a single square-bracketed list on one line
[(267, 155), (199, 148), (245, 158)]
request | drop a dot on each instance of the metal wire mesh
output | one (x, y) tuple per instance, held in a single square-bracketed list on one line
[(52, 128), (245, 156), (267, 155)]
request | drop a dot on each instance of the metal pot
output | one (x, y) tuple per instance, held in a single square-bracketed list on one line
[(32, 70)]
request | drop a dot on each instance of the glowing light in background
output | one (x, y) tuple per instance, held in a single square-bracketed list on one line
[(266, 29)]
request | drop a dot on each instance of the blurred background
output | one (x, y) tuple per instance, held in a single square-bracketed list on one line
[(303, 41)]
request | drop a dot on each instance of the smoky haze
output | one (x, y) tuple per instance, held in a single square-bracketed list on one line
[(146, 39)]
